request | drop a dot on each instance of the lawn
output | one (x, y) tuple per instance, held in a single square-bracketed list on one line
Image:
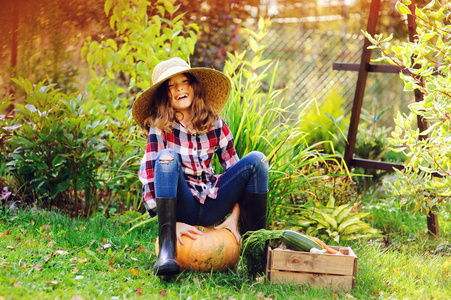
[(46, 255)]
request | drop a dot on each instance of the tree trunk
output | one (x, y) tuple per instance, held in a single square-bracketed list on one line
[(14, 46)]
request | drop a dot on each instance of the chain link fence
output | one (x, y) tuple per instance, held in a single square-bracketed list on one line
[(305, 67)]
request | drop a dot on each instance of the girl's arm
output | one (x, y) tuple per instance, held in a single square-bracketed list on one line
[(226, 151)]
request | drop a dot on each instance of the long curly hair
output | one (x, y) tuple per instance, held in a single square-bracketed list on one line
[(163, 116)]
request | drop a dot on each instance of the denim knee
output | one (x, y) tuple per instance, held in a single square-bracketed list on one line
[(259, 160), (167, 158)]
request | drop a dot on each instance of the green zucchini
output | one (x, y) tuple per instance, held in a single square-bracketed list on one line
[(299, 242)]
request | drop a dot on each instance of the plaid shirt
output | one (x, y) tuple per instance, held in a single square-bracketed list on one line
[(196, 152)]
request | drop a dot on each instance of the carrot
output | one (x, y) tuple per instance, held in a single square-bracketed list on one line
[(322, 244)]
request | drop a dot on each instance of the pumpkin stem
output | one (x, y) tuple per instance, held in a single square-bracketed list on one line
[(201, 228)]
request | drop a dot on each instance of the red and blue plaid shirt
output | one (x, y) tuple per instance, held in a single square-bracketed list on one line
[(196, 152)]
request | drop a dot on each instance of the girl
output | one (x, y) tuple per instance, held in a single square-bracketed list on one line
[(180, 115)]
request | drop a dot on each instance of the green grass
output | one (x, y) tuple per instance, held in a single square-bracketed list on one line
[(81, 266)]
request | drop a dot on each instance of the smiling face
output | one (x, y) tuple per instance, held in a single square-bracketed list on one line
[(181, 94)]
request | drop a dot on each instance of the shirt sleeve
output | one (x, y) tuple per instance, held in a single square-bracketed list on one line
[(226, 152), (155, 143)]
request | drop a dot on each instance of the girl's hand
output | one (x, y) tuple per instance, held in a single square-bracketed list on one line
[(231, 223), (185, 229)]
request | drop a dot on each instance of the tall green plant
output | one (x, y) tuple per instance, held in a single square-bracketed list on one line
[(258, 121), (426, 68)]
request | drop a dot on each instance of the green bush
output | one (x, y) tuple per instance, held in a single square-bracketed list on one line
[(54, 154), (425, 65)]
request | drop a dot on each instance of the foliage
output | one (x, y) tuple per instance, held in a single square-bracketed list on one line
[(336, 223), (259, 121), (219, 23), (122, 66), (326, 123), (425, 66), (55, 150), (371, 143)]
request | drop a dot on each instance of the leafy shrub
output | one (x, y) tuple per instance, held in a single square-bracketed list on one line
[(425, 65), (54, 154)]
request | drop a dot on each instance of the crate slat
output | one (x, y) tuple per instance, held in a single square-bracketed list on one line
[(335, 282)]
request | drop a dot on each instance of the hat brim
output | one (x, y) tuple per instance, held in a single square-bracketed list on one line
[(216, 86)]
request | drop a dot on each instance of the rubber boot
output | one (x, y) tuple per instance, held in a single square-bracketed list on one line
[(253, 212), (166, 263)]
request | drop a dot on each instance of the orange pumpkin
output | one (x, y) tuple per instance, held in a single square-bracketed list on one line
[(214, 250)]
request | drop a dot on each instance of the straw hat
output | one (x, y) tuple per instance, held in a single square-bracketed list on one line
[(216, 86)]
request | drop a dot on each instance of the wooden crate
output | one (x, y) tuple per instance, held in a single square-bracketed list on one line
[(319, 270)]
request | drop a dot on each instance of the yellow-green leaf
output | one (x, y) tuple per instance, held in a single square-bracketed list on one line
[(402, 8)]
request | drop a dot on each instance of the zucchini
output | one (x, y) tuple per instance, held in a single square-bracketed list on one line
[(299, 242)]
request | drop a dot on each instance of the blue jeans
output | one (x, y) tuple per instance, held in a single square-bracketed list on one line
[(248, 174)]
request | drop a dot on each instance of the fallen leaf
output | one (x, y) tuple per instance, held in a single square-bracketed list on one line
[(32, 223), (46, 227), (376, 293), (61, 252), (75, 270), (2, 234), (104, 241), (78, 277), (76, 297), (162, 293), (52, 282), (134, 272), (139, 291), (112, 270), (82, 260), (48, 259), (106, 246), (51, 244), (260, 279), (38, 267), (259, 295), (8, 232), (23, 264), (140, 248), (17, 284), (132, 258), (111, 263), (10, 247), (349, 296), (335, 296)]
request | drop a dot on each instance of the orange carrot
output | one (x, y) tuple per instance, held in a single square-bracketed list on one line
[(322, 244)]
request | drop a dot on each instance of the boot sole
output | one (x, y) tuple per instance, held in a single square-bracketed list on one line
[(167, 270)]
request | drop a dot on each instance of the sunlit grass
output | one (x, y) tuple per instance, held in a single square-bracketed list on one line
[(94, 259)]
